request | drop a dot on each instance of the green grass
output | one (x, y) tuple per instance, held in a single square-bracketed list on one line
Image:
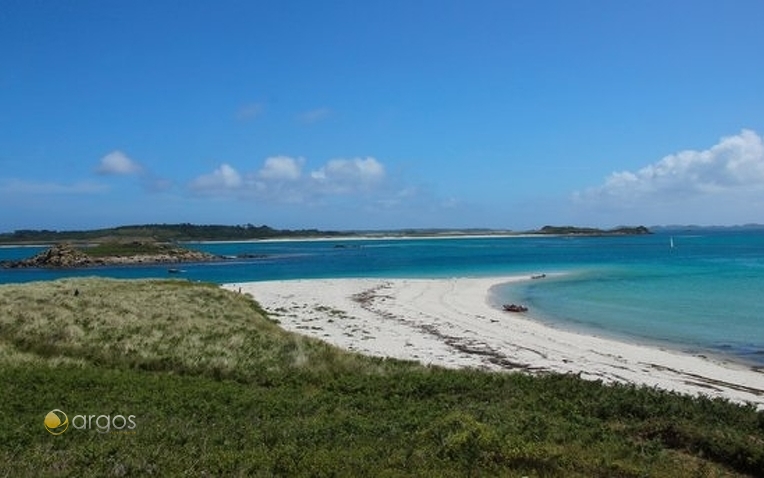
[(127, 248), (218, 389)]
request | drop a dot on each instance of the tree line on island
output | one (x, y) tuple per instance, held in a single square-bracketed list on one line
[(162, 233), (592, 231)]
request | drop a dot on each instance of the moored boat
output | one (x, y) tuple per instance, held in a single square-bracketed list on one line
[(515, 308)]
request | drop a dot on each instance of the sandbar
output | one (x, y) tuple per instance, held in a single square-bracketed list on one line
[(452, 323)]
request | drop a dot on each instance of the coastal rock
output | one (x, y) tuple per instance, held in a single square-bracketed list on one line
[(66, 256), (60, 256)]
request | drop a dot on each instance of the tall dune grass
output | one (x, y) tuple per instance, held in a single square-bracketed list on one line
[(170, 325)]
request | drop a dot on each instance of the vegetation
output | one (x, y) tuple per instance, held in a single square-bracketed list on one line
[(161, 233), (592, 231), (219, 389), (127, 248)]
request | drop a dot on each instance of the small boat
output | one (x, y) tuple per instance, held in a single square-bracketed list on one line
[(174, 271), (515, 308), (538, 276)]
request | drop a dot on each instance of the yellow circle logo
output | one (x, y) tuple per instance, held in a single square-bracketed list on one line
[(56, 422)]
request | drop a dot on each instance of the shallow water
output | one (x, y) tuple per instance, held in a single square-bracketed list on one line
[(703, 295)]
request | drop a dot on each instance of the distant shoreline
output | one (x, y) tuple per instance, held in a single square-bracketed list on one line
[(390, 237), (369, 238), (170, 233), (385, 237)]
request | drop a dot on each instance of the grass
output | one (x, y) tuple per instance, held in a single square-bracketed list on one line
[(219, 389), (128, 248), (115, 248)]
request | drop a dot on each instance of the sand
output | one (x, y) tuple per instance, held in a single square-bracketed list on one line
[(451, 323)]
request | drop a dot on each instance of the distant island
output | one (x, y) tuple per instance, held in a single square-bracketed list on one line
[(166, 233), (177, 233), (591, 231), (68, 256)]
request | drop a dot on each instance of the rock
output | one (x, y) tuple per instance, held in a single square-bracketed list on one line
[(66, 256), (60, 256)]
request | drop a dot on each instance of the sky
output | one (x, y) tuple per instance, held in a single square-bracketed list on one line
[(346, 115)]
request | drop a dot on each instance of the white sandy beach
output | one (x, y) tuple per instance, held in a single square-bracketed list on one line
[(450, 323)]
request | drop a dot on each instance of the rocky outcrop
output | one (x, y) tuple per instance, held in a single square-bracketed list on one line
[(66, 256), (60, 256)]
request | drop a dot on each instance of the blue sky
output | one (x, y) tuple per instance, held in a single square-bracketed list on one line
[(381, 114)]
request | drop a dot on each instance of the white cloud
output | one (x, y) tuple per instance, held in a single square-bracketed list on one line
[(281, 168), (118, 163), (281, 179), (224, 178), (347, 175), (21, 187), (712, 181), (735, 162)]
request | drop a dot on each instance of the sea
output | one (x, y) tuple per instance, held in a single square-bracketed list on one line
[(697, 291)]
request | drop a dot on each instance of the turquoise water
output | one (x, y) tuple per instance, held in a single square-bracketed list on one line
[(703, 295)]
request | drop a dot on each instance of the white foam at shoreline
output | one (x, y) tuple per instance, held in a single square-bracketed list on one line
[(449, 322)]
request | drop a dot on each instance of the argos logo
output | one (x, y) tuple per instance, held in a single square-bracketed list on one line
[(57, 422)]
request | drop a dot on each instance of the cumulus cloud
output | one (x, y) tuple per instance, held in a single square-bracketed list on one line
[(224, 178), (718, 177), (281, 168), (118, 163), (735, 162), (281, 179), (345, 175)]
